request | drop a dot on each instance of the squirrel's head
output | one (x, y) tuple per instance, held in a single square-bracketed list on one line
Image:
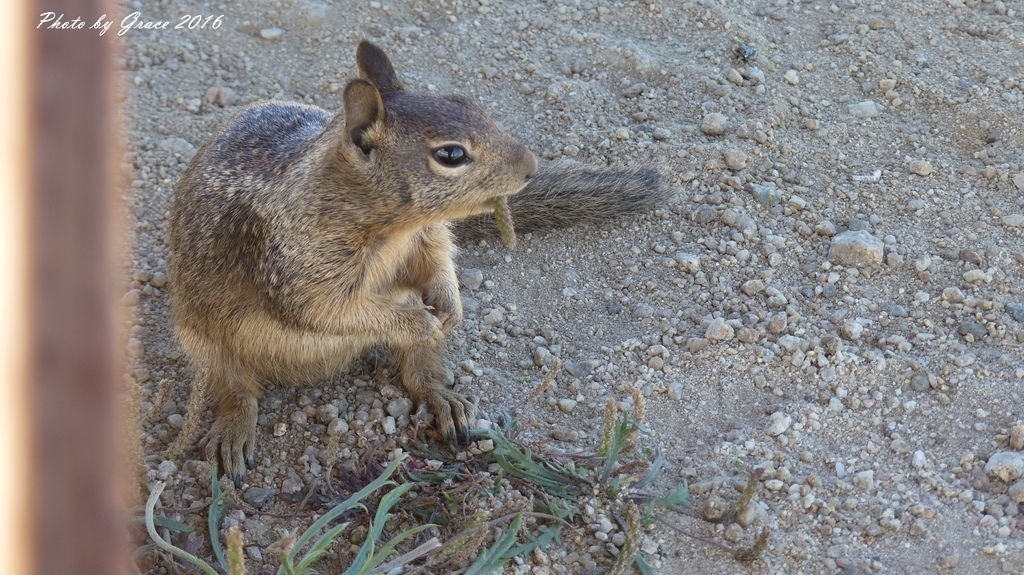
[(440, 154)]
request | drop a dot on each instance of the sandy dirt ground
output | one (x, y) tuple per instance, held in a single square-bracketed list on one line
[(834, 292)]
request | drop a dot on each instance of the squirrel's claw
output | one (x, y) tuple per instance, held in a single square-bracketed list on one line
[(231, 441), (452, 414)]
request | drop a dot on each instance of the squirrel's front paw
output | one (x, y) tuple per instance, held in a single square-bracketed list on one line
[(231, 441), (427, 329), (452, 412), (447, 305)]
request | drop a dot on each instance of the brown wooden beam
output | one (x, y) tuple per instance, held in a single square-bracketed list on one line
[(74, 369)]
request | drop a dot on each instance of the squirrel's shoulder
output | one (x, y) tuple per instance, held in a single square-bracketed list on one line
[(272, 130)]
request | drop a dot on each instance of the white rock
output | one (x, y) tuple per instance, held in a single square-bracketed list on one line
[(976, 276), (177, 147), (919, 460), (778, 423), (675, 391), (271, 33), (1005, 465), (865, 479), (856, 248), (166, 469), (714, 124), (719, 330), (921, 167), (865, 109), (1013, 220), (852, 330), (690, 263)]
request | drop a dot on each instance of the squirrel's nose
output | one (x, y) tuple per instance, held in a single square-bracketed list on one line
[(530, 164)]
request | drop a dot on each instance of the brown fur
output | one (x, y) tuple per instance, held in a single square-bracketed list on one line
[(299, 240)]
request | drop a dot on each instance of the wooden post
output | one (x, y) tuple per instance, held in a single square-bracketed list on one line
[(74, 370)]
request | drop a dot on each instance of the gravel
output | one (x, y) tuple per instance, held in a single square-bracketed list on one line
[(842, 248)]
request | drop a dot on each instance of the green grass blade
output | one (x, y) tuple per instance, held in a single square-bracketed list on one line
[(652, 473), (363, 561), (168, 523), (678, 497), (618, 442), (494, 559), (320, 547), (547, 535), (342, 507), (161, 542), (389, 549), (520, 463), (213, 519), (642, 565)]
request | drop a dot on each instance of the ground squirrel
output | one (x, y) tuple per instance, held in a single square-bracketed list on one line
[(301, 239)]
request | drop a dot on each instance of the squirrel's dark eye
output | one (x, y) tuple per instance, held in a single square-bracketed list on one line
[(451, 156)]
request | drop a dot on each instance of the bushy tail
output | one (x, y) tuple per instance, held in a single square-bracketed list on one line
[(566, 194)]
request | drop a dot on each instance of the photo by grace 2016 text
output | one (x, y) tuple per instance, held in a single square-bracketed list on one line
[(132, 22)]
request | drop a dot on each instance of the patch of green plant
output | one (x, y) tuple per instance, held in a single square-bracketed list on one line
[(616, 472), (559, 479), (298, 556)]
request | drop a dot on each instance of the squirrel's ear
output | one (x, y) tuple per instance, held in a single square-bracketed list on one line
[(375, 67), (363, 108)]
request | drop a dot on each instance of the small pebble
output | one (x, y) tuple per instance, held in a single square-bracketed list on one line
[(258, 496), (714, 124), (778, 423), (856, 248), (221, 96), (921, 167), (1013, 220), (471, 278), (166, 469), (689, 263), (1007, 466), (1017, 436), (919, 460), (719, 330), (865, 109), (271, 33), (735, 159)]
